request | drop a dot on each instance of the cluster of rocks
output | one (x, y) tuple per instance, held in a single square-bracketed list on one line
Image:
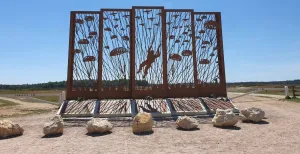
[(142, 123), (252, 114), (225, 118)]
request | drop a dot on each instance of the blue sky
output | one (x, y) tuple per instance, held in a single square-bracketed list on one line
[(261, 37)]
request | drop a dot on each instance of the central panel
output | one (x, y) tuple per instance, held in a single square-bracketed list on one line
[(148, 66), (181, 53)]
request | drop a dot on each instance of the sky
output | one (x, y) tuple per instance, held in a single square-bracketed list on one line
[(261, 37)]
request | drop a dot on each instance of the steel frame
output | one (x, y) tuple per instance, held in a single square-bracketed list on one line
[(164, 90)]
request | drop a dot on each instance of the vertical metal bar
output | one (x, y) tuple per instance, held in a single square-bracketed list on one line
[(71, 55), (132, 53), (194, 50), (293, 89), (164, 52), (100, 53), (221, 53)]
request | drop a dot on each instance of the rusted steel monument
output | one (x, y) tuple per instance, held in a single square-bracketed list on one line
[(145, 51)]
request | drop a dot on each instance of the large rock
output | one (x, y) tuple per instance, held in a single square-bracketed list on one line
[(187, 123), (224, 118), (54, 127), (8, 128), (97, 125), (252, 114), (142, 123)]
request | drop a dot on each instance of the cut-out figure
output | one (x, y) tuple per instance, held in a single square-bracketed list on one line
[(151, 108), (150, 59), (144, 109)]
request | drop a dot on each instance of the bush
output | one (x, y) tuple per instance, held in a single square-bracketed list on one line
[(287, 97)]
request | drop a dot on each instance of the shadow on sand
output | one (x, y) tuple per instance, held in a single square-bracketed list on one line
[(187, 130), (230, 127), (144, 134), (10, 137), (52, 136), (98, 134), (263, 122)]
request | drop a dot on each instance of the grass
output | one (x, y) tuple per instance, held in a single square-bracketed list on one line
[(49, 98), (4, 103), (270, 92), (54, 99), (29, 91), (39, 111), (265, 96), (297, 100), (26, 112)]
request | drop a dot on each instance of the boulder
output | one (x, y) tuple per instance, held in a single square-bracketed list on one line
[(54, 127), (8, 128), (97, 125), (142, 123), (187, 123), (224, 118), (252, 114)]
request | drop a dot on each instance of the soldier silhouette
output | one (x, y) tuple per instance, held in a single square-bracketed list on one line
[(150, 59)]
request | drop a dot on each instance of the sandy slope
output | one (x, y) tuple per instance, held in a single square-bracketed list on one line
[(23, 107)]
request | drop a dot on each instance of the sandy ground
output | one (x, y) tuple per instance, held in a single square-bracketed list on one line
[(278, 134), (24, 108), (262, 95)]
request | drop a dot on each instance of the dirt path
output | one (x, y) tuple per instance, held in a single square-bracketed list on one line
[(24, 108), (233, 94), (279, 134)]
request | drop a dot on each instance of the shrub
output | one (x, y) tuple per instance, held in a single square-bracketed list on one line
[(287, 97)]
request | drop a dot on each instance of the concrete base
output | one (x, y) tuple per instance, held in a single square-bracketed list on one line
[(157, 107), (186, 106), (79, 109), (114, 108), (212, 104)]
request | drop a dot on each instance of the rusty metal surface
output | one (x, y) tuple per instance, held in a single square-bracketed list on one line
[(145, 51), (213, 104), (80, 108), (117, 107), (152, 106), (187, 105)]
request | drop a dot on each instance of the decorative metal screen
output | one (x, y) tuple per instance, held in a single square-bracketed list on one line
[(148, 59), (115, 53), (83, 53), (145, 51)]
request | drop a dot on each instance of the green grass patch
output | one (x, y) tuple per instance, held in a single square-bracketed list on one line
[(39, 111), (4, 103), (297, 100), (271, 92), (264, 96), (49, 98), (26, 91), (27, 112), (26, 99)]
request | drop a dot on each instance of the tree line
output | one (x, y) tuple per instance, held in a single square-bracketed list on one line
[(249, 84), (106, 83), (76, 84)]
